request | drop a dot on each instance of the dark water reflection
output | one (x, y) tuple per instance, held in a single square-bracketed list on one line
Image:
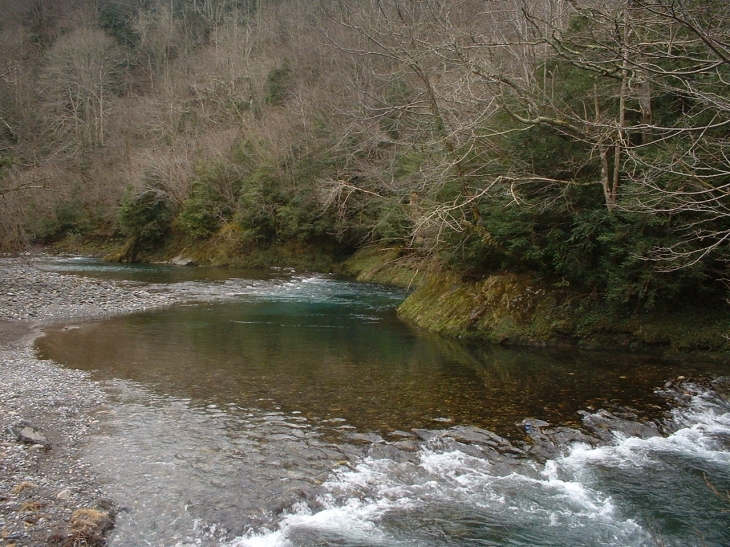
[(348, 364)]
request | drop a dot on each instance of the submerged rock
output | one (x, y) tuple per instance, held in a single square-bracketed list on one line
[(409, 445), (476, 435), (424, 434), (567, 436), (370, 438), (604, 424), (395, 452)]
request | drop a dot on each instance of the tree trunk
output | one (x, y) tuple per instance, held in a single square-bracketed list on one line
[(621, 128)]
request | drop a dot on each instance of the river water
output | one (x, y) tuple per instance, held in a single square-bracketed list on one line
[(281, 408)]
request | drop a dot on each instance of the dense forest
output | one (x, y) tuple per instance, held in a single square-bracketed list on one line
[(586, 142)]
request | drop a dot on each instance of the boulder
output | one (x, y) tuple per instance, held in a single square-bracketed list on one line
[(26, 432), (605, 425), (181, 260), (476, 435)]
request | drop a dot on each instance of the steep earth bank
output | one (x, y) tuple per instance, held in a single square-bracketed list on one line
[(516, 309)]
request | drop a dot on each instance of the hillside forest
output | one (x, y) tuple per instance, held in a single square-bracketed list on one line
[(585, 142)]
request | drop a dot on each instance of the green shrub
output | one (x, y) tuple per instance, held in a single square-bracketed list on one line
[(198, 216), (277, 84), (145, 216), (257, 206), (213, 198), (67, 217)]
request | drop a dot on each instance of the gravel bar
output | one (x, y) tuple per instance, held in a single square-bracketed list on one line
[(48, 495)]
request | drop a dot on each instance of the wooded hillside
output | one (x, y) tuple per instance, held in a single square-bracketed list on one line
[(583, 141)]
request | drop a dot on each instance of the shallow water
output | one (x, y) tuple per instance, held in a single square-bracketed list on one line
[(278, 409)]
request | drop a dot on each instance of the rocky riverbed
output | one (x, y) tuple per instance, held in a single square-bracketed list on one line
[(47, 494)]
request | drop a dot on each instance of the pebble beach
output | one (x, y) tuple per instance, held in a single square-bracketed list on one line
[(48, 495)]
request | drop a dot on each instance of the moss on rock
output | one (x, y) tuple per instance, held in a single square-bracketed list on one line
[(512, 308), (228, 248), (501, 308), (385, 265)]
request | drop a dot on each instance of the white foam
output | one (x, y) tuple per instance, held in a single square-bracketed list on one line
[(702, 432), (356, 520), (358, 503), (358, 500)]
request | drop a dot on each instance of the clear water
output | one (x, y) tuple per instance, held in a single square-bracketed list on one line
[(278, 409)]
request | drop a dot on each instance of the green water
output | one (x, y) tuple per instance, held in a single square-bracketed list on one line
[(349, 362), (240, 420)]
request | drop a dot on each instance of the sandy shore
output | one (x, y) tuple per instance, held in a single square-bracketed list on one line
[(47, 494)]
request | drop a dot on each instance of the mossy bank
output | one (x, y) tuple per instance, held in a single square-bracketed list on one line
[(508, 308)]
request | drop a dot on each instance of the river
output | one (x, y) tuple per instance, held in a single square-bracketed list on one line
[(282, 408)]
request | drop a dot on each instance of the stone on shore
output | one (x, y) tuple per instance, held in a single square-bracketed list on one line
[(27, 433)]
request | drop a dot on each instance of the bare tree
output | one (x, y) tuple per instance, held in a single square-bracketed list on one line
[(430, 76), (671, 55), (160, 40), (79, 81), (653, 125)]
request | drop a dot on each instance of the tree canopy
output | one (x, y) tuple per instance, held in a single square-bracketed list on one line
[(584, 141)]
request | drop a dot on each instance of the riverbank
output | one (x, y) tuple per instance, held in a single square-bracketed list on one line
[(519, 310), (47, 494)]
